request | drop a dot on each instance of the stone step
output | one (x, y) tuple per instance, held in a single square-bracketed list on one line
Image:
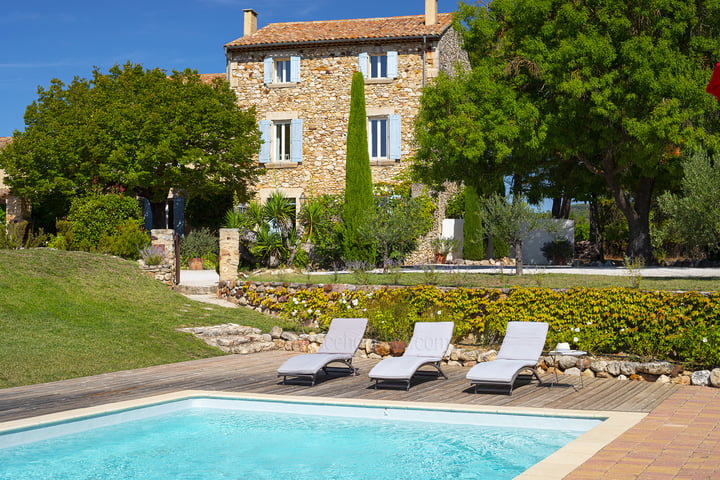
[(196, 289)]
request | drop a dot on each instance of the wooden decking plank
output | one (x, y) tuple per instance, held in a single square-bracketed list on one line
[(257, 374)]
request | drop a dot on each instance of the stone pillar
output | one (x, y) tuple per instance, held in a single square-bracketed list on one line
[(165, 239), (18, 209), (229, 254)]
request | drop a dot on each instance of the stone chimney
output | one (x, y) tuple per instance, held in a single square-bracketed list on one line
[(431, 11), (250, 26)]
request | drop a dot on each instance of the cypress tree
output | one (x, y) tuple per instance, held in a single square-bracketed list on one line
[(358, 178)]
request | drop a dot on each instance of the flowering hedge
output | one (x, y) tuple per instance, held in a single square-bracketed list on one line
[(677, 326)]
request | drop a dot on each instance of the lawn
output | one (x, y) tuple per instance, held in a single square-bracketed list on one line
[(72, 314), (497, 280)]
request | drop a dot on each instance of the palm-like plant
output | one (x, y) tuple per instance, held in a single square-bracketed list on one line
[(311, 214), (279, 211), (270, 246)]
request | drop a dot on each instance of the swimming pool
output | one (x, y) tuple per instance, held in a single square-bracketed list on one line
[(214, 438)]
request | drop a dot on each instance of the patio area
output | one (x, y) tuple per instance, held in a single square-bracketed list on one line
[(678, 439)]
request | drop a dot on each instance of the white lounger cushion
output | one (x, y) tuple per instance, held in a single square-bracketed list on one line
[(521, 348), (400, 368), (429, 343), (341, 342), (310, 363), (498, 371)]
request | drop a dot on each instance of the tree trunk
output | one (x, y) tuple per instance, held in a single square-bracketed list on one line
[(637, 211), (561, 207), (518, 258), (595, 232)]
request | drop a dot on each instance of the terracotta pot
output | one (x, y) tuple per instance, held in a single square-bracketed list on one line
[(196, 263), (440, 258), (397, 348)]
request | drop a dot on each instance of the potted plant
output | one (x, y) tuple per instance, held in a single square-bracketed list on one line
[(441, 247), (197, 247), (558, 251)]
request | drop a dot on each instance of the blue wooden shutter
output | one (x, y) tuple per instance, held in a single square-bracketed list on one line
[(147, 215), (265, 135), (296, 140), (179, 215), (395, 136), (392, 64), (268, 71), (363, 64), (295, 69)]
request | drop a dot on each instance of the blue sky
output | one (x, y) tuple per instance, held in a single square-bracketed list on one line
[(42, 40)]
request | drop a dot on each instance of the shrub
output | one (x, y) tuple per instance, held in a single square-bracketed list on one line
[(126, 242), (95, 215), (200, 244), (152, 255), (681, 327), (16, 235), (559, 248)]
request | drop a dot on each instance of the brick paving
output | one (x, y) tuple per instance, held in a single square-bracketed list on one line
[(679, 440)]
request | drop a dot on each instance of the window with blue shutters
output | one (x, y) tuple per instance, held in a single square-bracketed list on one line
[(384, 138), (281, 70), (282, 140), (378, 66)]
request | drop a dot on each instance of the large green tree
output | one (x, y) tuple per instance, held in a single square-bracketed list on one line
[(359, 203), (132, 129), (611, 86)]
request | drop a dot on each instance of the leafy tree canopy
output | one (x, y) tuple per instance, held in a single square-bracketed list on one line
[(610, 86), (137, 130)]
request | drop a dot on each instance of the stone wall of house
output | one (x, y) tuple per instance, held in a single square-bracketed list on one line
[(322, 100)]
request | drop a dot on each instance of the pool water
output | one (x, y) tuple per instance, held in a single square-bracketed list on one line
[(220, 443)]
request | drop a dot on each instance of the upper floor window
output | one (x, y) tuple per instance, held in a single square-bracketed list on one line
[(282, 140), (384, 137), (281, 70), (378, 66)]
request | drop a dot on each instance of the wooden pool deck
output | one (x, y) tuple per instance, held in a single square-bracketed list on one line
[(257, 374), (679, 438)]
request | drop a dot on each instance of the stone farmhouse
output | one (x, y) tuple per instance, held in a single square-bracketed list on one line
[(298, 75), (16, 209)]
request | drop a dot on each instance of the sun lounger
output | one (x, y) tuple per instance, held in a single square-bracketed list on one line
[(520, 350), (341, 342), (428, 345)]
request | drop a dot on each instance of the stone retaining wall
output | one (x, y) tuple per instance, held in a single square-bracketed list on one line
[(237, 339)]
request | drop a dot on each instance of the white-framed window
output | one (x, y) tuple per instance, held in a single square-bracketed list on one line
[(281, 70), (378, 65), (282, 140), (378, 138), (384, 137)]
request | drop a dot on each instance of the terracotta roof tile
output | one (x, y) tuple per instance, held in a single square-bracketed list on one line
[(412, 26), (209, 77)]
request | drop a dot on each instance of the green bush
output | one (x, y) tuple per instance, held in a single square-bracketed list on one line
[(681, 327), (126, 242), (200, 244), (95, 215)]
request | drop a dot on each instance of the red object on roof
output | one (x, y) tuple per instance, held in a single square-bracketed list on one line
[(713, 88)]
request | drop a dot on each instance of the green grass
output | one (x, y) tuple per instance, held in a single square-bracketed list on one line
[(497, 280), (72, 314)]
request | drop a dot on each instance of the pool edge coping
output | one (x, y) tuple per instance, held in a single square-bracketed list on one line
[(554, 467)]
